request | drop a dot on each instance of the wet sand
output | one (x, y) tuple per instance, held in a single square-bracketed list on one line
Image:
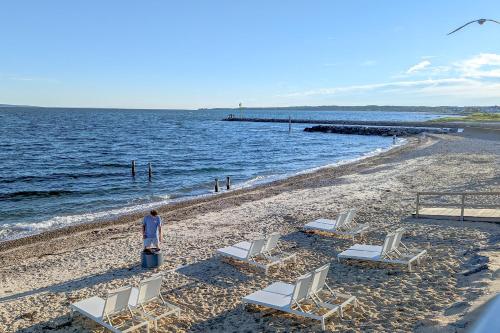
[(41, 275)]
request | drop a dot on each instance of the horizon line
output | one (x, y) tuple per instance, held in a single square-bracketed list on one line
[(251, 107)]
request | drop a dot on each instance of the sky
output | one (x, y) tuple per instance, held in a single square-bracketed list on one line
[(203, 54)]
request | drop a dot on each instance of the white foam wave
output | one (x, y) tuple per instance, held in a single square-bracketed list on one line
[(257, 181), (18, 230)]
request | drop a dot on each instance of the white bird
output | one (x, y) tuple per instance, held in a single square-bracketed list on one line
[(480, 21)]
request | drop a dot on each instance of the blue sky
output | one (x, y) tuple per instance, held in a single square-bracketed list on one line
[(192, 54)]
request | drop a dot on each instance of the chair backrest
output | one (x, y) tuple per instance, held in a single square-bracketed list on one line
[(117, 301), (301, 289), (319, 278), (389, 240), (350, 216), (397, 239), (149, 289), (272, 241), (256, 247), (340, 220)]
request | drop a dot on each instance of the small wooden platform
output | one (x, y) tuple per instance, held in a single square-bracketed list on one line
[(470, 214)]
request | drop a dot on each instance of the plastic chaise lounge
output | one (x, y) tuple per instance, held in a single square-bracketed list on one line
[(273, 252), (320, 292), (326, 224), (302, 298), (393, 251), (148, 300), (342, 225), (105, 311), (257, 253)]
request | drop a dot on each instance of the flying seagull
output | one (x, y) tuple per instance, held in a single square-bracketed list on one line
[(480, 21)]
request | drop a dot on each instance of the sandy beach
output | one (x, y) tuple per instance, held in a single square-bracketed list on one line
[(41, 275)]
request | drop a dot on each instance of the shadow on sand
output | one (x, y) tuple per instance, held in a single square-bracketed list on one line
[(76, 284), (214, 271)]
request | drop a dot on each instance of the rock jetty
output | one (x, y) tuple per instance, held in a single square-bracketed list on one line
[(377, 130)]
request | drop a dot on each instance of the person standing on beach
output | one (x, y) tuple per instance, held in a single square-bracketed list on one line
[(152, 230)]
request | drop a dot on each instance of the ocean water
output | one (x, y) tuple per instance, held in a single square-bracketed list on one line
[(65, 166)]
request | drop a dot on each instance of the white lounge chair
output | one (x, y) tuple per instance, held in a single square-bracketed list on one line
[(103, 311), (149, 301), (348, 222), (271, 243), (342, 225), (326, 224), (256, 253), (321, 293), (390, 252), (272, 250), (292, 298), (245, 252), (349, 228)]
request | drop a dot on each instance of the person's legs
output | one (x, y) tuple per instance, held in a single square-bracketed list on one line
[(156, 243), (149, 243)]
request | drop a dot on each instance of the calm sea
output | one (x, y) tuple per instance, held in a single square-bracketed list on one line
[(66, 166)]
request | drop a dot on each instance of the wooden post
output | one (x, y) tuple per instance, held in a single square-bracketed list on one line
[(462, 208), (228, 183), (133, 168), (150, 171), (289, 124), (418, 205), (216, 185)]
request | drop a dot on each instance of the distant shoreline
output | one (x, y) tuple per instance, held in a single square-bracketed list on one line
[(448, 109)]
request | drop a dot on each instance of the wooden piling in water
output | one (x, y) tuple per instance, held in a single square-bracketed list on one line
[(228, 183), (289, 124), (150, 171), (133, 168), (216, 185)]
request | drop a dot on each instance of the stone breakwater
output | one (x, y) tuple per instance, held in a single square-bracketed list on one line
[(377, 130), (383, 123)]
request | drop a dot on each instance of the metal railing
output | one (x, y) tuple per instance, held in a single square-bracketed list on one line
[(462, 205)]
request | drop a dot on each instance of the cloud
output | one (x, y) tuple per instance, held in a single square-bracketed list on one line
[(331, 64), (24, 79), (484, 65), (472, 89), (418, 67), (424, 69), (381, 86), (474, 78), (27, 78), (368, 63)]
